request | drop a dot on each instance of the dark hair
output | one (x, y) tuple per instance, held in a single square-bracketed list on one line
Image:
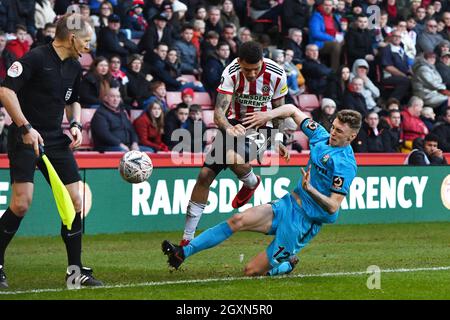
[(195, 108), (49, 25), (187, 26), (351, 117), (431, 137), (222, 43), (393, 111), (158, 123), (181, 105), (251, 52), (20, 27)]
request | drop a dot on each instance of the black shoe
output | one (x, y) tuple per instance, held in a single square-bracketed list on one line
[(86, 279), (174, 252), (3, 282)]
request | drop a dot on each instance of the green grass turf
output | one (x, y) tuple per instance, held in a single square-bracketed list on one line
[(39, 263)]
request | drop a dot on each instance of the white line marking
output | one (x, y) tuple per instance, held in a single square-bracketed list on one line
[(193, 281)]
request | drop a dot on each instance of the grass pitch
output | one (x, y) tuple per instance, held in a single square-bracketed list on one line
[(415, 257)]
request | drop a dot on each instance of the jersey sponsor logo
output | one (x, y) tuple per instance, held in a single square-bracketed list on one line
[(312, 125), (68, 94), (255, 100), (338, 182), (15, 70), (325, 158), (284, 89)]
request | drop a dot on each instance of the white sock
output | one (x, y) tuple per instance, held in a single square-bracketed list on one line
[(193, 214), (250, 180)]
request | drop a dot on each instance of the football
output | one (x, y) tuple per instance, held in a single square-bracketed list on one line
[(135, 166)]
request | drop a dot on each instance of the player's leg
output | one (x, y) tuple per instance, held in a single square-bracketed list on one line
[(258, 266), (22, 194), (258, 219), (197, 203)]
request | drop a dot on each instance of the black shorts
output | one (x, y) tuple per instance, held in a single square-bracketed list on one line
[(23, 161), (249, 147)]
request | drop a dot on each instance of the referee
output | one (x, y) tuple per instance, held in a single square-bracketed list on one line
[(35, 92)]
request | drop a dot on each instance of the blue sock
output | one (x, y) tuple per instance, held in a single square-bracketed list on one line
[(283, 268), (209, 238)]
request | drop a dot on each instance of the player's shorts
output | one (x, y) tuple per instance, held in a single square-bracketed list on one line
[(249, 147), (23, 161), (292, 228)]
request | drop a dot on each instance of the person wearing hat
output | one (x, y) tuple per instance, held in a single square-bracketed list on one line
[(158, 32), (136, 20), (111, 41), (443, 67), (326, 114)]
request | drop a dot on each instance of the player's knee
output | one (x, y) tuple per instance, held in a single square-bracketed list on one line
[(20, 205), (236, 222), (205, 178)]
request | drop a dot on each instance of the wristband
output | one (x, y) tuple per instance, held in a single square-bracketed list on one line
[(279, 137), (76, 124)]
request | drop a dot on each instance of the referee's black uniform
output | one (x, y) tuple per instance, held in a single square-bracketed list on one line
[(44, 86)]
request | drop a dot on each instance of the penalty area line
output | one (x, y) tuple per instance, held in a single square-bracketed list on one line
[(195, 281)]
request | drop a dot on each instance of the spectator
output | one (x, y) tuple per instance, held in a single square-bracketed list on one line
[(395, 66), (102, 20), (158, 32), (112, 41), (111, 129), (244, 34), (199, 31), (359, 42), (391, 104), (95, 84), (326, 114), (201, 13), (288, 129), (429, 38), (337, 85), (152, 8), (442, 130), (371, 138), (21, 12), (382, 31), (213, 22), (428, 117), (370, 92), (19, 46), (3, 134), (315, 72), (6, 57), (446, 19), (149, 127), (156, 59), (229, 36), (295, 80), (295, 14), (411, 28), (138, 87), (44, 13), (158, 94), (115, 70), (353, 97), (174, 123), (412, 126), (187, 52), (427, 82), (323, 31), (443, 67), (420, 18), (294, 42), (136, 20), (45, 36), (394, 133), (214, 68), (208, 46), (187, 97), (196, 128), (429, 155), (408, 44), (228, 15), (391, 8)]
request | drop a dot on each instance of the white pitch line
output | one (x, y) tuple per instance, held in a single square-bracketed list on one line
[(164, 283)]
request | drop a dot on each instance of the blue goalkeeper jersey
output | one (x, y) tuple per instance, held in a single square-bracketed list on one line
[(332, 170)]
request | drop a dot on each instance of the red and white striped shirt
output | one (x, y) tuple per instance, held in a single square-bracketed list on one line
[(257, 95)]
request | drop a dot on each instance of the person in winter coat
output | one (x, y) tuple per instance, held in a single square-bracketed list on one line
[(316, 73), (95, 83), (429, 154), (443, 67), (6, 57), (359, 41), (427, 82), (371, 138), (337, 86), (353, 97), (214, 68), (149, 127), (442, 130), (19, 46), (370, 91), (326, 114)]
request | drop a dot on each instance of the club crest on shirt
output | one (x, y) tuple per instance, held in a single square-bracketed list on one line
[(68, 94), (15, 70), (312, 125), (338, 182), (265, 89), (325, 159)]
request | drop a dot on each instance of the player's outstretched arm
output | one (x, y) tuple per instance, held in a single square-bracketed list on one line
[(258, 119), (222, 104)]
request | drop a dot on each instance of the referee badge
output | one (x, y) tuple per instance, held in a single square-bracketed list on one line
[(338, 182), (15, 70)]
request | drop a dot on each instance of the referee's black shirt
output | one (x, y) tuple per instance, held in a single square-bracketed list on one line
[(44, 85)]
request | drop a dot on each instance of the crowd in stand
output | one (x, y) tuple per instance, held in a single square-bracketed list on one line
[(389, 60)]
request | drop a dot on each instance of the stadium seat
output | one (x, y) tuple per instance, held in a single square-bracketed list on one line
[(202, 98), (308, 102), (86, 60), (302, 139), (173, 98), (135, 114), (208, 118)]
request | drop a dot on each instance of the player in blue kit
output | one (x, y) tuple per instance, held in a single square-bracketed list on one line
[(298, 216)]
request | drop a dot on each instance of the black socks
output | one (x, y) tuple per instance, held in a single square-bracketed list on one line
[(9, 224), (72, 240)]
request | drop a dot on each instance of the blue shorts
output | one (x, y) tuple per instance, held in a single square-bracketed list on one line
[(292, 228)]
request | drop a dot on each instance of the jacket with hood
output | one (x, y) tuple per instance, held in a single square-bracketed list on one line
[(426, 82), (444, 71), (370, 91)]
